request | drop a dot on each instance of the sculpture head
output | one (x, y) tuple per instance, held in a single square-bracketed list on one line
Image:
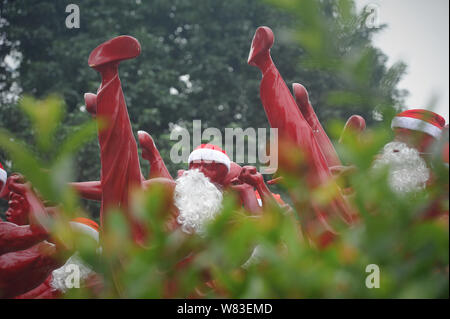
[(407, 170), (418, 128), (198, 191), (415, 131), (212, 161), (19, 208)]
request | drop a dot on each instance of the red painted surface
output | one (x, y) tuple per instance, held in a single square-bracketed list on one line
[(120, 171), (151, 154), (26, 258), (284, 114), (302, 99)]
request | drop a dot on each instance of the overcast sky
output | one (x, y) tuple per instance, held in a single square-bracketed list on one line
[(418, 34)]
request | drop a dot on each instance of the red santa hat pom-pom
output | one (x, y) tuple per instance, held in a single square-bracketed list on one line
[(420, 120), (209, 152)]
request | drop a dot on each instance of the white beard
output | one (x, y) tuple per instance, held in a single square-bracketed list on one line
[(408, 172), (198, 200), (61, 275)]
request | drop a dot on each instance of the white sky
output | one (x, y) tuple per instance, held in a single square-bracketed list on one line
[(417, 33)]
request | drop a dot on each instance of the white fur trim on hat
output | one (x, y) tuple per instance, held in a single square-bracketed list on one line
[(85, 229), (3, 177), (416, 125), (209, 154)]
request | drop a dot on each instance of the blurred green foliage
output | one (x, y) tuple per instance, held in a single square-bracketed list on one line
[(410, 250)]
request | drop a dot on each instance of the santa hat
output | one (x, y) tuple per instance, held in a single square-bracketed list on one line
[(420, 120), (3, 176), (85, 226), (209, 152)]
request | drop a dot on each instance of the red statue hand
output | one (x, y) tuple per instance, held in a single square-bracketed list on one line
[(246, 194), (151, 154), (251, 176), (302, 99)]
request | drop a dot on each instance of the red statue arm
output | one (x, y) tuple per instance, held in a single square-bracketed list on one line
[(302, 99), (284, 114), (23, 270), (14, 237), (37, 212), (247, 196), (89, 190), (151, 154), (245, 191), (43, 291), (251, 176), (120, 170)]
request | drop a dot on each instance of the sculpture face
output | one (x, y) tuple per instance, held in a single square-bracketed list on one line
[(17, 212), (216, 172), (416, 139), (232, 175), (408, 171)]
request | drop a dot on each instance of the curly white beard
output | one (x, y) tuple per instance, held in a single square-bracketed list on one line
[(61, 275), (408, 172), (198, 200)]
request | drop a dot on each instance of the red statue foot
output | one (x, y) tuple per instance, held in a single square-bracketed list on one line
[(284, 114), (302, 99), (120, 172), (90, 99), (355, 125)]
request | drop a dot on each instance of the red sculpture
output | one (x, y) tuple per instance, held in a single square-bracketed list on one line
[(284, 114), (416, 131), (151, 154), (120, 170), (26, 258), (302, 99)]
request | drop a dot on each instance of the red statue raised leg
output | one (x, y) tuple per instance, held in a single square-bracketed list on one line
[(284, 114), (302, 99), (120, 172)]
